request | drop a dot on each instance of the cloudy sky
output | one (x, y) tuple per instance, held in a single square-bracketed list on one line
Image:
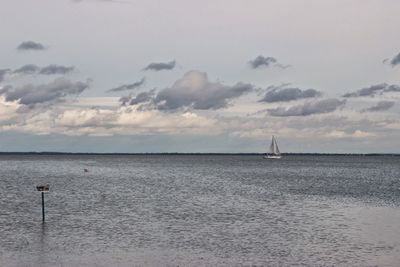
[(199, 76)]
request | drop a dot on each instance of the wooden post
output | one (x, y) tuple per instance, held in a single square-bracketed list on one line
[(43, 206), (43, 189)]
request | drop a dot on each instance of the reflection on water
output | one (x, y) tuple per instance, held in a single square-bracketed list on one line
[(200, 211), (41, 256)]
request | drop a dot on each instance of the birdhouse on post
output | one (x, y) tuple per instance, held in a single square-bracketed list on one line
[(43, 188)]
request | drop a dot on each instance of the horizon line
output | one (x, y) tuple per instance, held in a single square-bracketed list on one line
[(191, 153)]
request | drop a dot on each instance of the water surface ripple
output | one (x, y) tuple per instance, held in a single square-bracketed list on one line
[(198, 210)]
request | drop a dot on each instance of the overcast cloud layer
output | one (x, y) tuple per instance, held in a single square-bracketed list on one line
[(337, 96)]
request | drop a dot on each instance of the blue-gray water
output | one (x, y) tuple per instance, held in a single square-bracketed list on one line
[(200, 211)]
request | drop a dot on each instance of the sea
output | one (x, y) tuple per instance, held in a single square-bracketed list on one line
[(199, 210)]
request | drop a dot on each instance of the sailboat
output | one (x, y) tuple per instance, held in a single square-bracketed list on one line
[(273, 150)]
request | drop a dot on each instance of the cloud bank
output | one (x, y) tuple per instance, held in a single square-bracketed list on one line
[(309, 108), (374, 89), (35, 94), (380, 106), (284, 94)]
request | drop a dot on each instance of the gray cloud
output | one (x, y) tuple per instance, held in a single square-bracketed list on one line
[(392, 88), (395, 61), (161, 66), (142, 97), (47, 70), (35, 94), (380, 106), (309, 108), (266, 62), (3, 73), (30, 45), (194, 90), (367, 91), (284, 94), (374, 89), (125, 87), (125, 99), (262, 61), (56, 69), (145, 99), (27, 69)]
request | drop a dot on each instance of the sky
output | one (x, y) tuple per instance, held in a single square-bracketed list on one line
[(200, 76)]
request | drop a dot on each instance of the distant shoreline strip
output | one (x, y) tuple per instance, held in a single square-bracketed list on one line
[(196, 154)]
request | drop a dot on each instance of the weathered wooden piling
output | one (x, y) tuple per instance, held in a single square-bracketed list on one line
[(43, 189)]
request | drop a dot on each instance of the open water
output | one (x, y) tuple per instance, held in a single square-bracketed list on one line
[(200, 210)]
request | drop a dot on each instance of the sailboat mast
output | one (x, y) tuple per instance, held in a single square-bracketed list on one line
[(272, 146)]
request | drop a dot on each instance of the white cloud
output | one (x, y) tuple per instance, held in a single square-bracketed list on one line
[(104, 117), (355, 134), (8, 110), (103, 121)]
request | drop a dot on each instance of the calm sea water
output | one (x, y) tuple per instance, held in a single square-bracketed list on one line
[(200, 211)]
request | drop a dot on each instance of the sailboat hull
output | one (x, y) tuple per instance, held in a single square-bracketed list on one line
[(272, 157)]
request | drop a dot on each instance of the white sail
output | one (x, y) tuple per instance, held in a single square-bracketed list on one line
[(276, 149), (273, 150), (272, 147)]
